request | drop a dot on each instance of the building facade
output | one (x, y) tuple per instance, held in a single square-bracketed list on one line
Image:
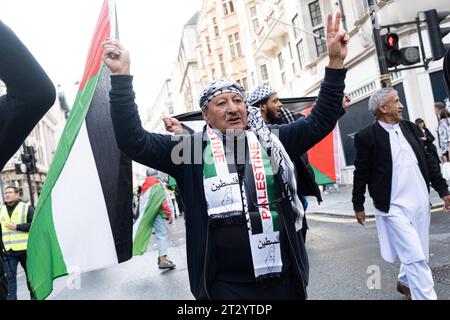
[(282, 43), (220, 51), (43, 139), (187, 76), (164, 106), (288, 46)]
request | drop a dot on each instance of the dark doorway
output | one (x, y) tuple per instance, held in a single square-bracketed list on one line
[(358, 117)]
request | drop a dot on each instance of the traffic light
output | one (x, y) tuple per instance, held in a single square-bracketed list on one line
[(395, 56), (32, 164), (410, 55), (436, 33), (28, 161), (392, 53)]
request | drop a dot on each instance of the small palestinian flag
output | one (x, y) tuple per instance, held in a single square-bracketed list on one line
[(155, 200), (83, 219)]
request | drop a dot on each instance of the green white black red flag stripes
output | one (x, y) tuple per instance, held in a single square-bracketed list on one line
[(83, 219)]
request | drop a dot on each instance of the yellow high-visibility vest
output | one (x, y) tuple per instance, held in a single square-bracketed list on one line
[(13, 239)]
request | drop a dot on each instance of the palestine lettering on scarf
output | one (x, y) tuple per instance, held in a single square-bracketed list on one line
[(217, 187), (216, 147), (260, 181)]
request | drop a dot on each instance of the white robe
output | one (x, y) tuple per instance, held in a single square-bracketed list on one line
[(404, 230)]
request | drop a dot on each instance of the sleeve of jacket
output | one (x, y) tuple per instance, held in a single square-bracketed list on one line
[(361, 174), (150, 149), (430, 136), (25, 227), (30, 93), (299, 136), (434, 171)]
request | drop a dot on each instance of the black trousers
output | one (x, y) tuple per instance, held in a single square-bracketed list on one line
[(10, 262), (283, 288), (3, 282)]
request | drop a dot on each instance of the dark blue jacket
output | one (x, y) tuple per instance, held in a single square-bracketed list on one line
[(155, 150)]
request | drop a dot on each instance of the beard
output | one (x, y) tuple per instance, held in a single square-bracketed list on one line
[(273, 118)]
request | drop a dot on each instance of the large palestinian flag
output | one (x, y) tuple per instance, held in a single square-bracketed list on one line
[(324, 157), (83, 219)]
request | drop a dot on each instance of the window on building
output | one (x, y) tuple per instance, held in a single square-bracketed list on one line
[(228, 7), (235, 46), (360, 8), (296, 26), (294, 71), (222, 65), (254, 17), (283, 77), (245, 84), (232, 49), (215, 26), (316, 15), (264, 74), (282, 70), (301, 53), (321, 44), (208, 46), (213, 74), (316, 22), (281, 61), (238, 44), (202, 60)]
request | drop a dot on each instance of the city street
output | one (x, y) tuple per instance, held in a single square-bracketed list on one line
[(233, 108), (344, 257)]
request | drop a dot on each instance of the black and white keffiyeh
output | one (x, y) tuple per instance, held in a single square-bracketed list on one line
[(259, 94)]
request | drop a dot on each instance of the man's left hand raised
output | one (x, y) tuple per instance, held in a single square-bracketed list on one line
[(337, 42)]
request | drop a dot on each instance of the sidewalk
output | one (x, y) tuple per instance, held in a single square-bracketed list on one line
[(340, 203)]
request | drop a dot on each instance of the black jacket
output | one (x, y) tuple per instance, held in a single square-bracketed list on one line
[(30, 93), (155, 150), (429, 145), (373, 165)]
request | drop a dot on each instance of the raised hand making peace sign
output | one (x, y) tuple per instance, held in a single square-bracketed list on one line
[(337, 42)]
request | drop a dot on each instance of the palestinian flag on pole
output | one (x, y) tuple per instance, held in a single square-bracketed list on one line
[(83, 219), (154, 200), (324, 157)]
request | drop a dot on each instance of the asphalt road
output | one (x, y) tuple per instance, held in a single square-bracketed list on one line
[(344, 258)]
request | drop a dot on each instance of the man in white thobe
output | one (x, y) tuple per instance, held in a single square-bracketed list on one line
[(393, 162)]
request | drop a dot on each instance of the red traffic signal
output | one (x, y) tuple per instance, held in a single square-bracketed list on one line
[(392, 53), (391, 40)]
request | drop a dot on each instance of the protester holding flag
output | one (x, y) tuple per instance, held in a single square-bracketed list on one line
[(240, 210), (83, 220), (30, 95), (155, 207)]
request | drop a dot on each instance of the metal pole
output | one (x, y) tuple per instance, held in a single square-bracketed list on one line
[(385, 78), (30, 187)]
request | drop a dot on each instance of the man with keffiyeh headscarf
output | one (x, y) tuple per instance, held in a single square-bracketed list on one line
[(236, 179)]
